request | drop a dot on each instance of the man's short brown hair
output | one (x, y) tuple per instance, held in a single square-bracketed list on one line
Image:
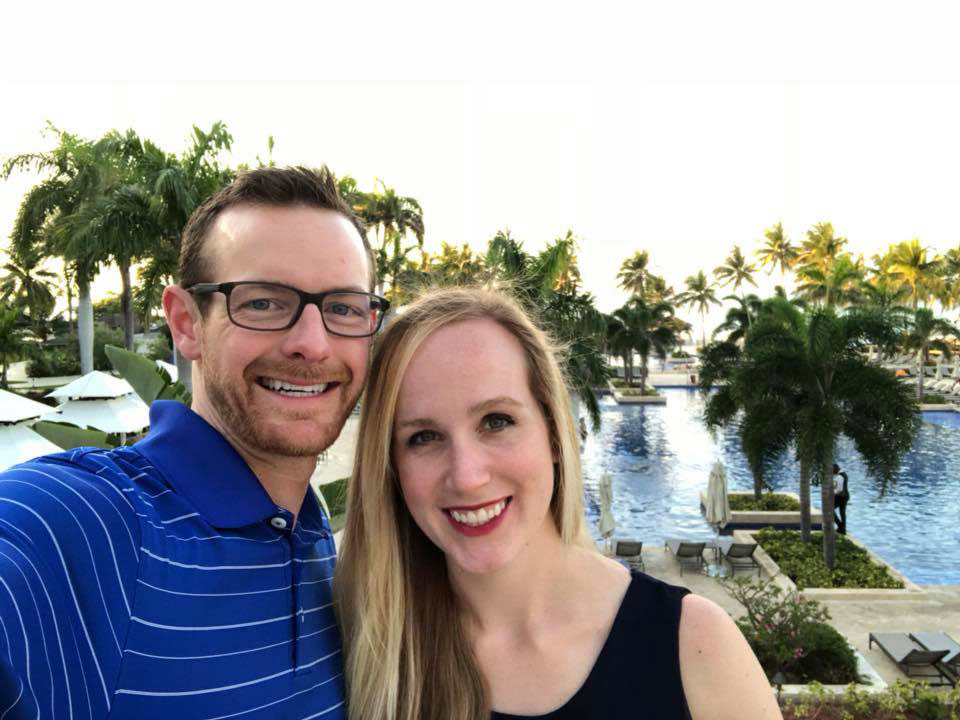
[(277, 187)]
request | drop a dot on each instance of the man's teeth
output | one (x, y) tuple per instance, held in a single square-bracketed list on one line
[(285, 388), (479, 517)]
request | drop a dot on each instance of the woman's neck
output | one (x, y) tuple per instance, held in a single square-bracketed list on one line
[(524, 593)]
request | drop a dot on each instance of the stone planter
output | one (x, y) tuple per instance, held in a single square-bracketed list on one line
[(756, 519), (909, 592), (636, 399)]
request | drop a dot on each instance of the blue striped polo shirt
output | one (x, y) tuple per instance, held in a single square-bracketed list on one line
[(161, 581)]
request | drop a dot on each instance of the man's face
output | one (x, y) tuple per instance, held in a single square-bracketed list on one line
[(308, 248)]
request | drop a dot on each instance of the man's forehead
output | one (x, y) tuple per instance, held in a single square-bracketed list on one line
[(267, 242)]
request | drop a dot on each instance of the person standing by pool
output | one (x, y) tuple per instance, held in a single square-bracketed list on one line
[(841, 496), (468, 587), (188, 576)]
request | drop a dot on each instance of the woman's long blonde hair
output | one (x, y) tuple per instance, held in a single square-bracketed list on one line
[(406, 653)]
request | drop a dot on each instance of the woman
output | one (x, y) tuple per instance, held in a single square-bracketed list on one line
[(468, 586)]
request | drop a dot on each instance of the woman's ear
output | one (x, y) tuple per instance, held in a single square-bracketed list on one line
[(184, 320)]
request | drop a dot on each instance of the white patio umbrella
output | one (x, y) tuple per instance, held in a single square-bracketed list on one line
[(94, 384), (717, 508), (18, 443), (607, 524), (16, 408), (125, 414)]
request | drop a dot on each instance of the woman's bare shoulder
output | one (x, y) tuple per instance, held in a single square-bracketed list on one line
[(722, 679)]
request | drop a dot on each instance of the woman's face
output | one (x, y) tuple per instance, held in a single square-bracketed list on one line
[(472, 448)]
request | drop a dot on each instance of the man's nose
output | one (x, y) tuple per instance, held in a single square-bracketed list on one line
[(308, 338)]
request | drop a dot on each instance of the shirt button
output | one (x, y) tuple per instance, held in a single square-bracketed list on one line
[(279, 523)]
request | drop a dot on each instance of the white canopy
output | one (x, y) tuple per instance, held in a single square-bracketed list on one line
[(19, 443), (126, 414), (94, 384), (14, 408)]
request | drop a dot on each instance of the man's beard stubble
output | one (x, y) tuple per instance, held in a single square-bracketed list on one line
[(241, 421)]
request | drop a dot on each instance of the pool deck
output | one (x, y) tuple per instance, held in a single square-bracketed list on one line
[(937, 609)]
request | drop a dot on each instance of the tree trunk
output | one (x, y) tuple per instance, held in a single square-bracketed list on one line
[(85, 323), (126, 306), (805, 521), (703, 330), (643, 374), (826, 502)]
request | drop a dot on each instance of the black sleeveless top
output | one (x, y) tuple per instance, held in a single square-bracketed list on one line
[(638, 669)]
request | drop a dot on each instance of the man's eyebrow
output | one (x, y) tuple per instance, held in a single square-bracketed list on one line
[(473, 409)]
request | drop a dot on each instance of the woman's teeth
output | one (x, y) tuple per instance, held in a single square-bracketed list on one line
[(291, 390), (479, 517)]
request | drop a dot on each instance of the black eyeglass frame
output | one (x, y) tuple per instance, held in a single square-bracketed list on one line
[(376, 303)]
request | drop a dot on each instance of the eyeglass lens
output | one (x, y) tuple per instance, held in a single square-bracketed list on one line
[(270, 307)]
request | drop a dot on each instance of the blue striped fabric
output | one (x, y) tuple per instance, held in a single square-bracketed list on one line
[(157, 581)]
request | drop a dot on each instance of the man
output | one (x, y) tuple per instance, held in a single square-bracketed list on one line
[(841, 496), (189, 576)]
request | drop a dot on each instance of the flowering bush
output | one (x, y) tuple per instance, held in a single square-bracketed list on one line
[(901, 701), (789, 634)]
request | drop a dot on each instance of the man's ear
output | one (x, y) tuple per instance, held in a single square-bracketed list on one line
[(183, 319)]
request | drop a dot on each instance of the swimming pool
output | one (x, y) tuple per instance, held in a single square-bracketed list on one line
[(660, 457)]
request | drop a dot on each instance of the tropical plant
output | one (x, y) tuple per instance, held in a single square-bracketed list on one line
[(739, 317), (735, 270), (821, 247), (802, 379), (644, 328), (778, 250), (700, 294), (455, 266), (924, 333), (392, 216)]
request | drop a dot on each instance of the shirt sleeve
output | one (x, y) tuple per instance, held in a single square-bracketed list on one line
[(68, 563)]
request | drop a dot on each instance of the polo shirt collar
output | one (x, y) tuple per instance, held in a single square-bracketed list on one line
[(203, 467)]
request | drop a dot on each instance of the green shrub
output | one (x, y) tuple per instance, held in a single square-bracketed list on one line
[(767, 502), (933, 399), (901, 701), (803, 562), (48, 362), (826, 656), (159, 349), (789, 634), (637, 392)]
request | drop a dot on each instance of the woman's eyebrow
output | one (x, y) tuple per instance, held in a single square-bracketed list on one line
[(479, 407)]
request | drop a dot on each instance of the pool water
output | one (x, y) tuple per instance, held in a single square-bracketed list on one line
[(660, 458)]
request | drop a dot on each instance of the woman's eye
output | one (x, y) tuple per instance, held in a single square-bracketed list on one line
[(422, 437), (497, 422)]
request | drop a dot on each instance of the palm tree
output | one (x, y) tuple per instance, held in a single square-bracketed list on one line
[(455, 266), (699, 294), (645, 328), (777, 251), (392, 216), (29, 286), (910, 263), (821, 247), (735, 270), (925, 333), (44, 219), (805, 381), (839, 284), (11, 339), (635, 273), (739, 317)]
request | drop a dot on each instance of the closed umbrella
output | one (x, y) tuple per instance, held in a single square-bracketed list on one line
[(607, 523), (717, 509)]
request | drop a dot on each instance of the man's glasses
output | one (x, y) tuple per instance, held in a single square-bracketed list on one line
[(272, 306)]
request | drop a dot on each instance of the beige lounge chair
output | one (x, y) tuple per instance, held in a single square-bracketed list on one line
[(688, 554), (630, 551), (912, 658)]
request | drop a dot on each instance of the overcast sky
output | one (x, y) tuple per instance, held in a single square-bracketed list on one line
[(680, 131)]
